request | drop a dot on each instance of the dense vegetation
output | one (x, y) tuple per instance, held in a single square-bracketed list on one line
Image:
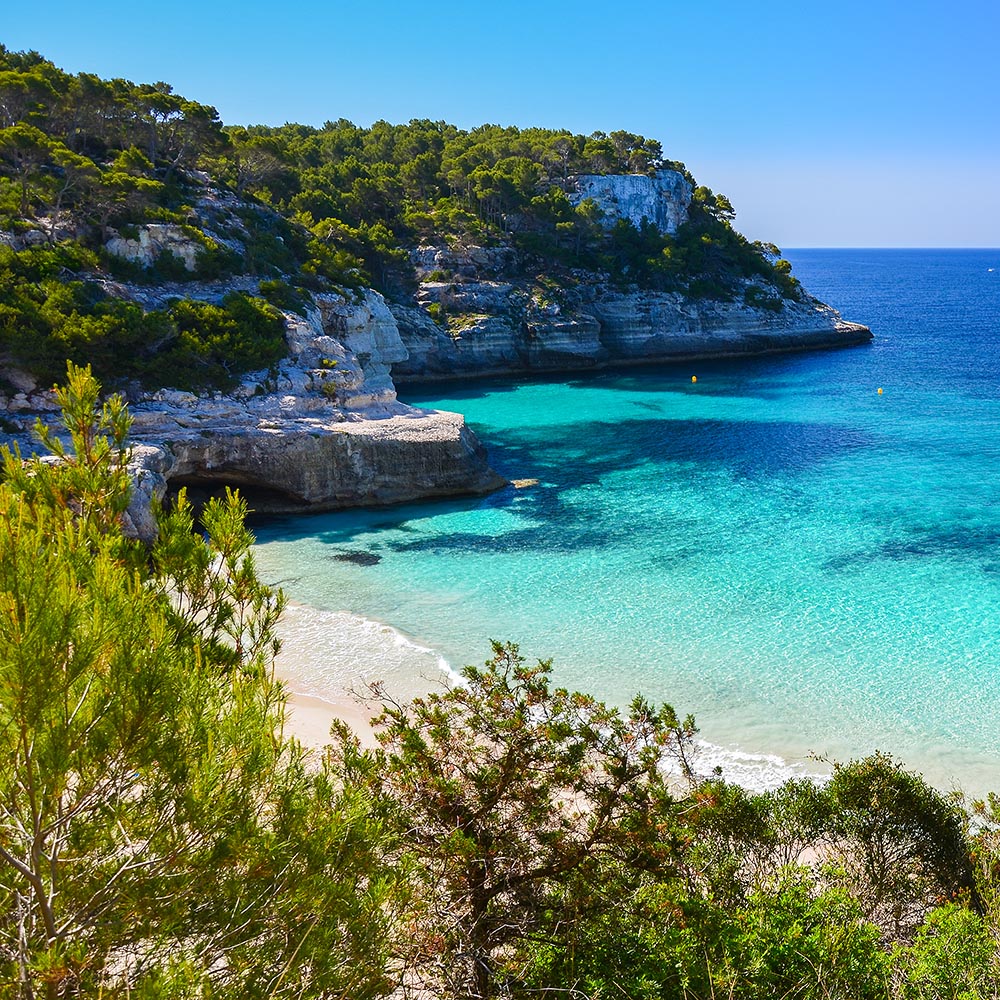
[(83, 159), (49, 313), (162, 837), (375, 189)]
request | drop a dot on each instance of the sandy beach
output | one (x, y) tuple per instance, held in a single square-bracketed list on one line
[(309, 718)]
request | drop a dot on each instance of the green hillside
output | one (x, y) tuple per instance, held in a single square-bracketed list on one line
[(303, 209)]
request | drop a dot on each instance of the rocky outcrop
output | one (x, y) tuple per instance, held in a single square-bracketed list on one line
[(462, 328), (152, 241), (315, 464), (663, 327), (661, 199), (325, 431), (328, 432), (523, 338)]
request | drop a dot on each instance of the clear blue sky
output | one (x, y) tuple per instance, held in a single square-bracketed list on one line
[(827, 123)]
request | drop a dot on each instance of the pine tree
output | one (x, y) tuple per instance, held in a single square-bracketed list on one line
[(158, 833)]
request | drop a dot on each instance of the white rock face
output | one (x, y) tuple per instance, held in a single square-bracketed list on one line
[(324, 431), (493, 328), (328, 432), (668, 327), (662, 199), (468, 261), (153, 240), (368, 330)]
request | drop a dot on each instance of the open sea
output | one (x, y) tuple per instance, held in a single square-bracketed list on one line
[(810, 568)]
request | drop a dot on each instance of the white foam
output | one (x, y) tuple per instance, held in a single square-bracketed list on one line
[(328, 653), (756, 772)]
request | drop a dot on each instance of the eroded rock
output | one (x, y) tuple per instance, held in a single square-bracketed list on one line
[(661, 199)]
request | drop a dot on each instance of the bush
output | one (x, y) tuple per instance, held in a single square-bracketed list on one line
[(953, 957), (48, 316), (284, 296), (216, 344), (902, 844)]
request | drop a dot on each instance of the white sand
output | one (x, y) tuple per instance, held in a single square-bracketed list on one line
[(309, 718)]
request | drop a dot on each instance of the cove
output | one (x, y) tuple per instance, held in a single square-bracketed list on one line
[(805, 565)]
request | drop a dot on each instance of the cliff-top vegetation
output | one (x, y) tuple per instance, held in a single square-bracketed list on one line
[(84, 160)]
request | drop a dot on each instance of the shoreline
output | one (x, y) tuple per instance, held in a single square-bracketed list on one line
[(309, 717), (851, 335)]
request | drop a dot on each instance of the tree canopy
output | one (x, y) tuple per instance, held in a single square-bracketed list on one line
[(153, 816)]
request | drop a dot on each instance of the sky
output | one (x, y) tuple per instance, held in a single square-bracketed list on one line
[(826, 123)]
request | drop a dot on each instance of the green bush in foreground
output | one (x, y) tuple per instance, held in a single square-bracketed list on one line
[(152, 816)]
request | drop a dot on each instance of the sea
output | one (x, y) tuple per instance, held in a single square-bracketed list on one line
[(808, 565)]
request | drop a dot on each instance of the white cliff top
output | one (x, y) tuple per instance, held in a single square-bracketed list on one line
[(663, 198)]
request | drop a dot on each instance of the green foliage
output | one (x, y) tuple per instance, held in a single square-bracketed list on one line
[(91, 145), (215, 344), (506, 787), (283, 295), (48, 315), (430, 180), (903, 845), (659, 940), (953, 957), (153, 818)]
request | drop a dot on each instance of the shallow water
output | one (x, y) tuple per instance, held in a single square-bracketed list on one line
[(805, 565)]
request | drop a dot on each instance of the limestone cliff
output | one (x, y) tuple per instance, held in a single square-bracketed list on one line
[(661, 199), (152, 241), (327, 432), (459, 325), (323, 431)]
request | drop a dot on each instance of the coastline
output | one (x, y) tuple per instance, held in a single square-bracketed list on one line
[(849, 334), (310, 714), (319, 692), (311, 638)]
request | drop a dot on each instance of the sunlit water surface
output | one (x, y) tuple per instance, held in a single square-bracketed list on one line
[(806, 565)]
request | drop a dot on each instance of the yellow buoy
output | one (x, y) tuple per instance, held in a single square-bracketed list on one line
[(694, 378), (880, 390)]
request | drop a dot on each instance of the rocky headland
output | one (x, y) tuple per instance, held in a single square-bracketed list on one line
[(323, 428), (495, 327), (477, 311)]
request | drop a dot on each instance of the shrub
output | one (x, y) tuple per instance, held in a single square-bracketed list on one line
[(284, 296), (216, 344)]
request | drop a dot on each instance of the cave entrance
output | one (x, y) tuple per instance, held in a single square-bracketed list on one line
[(260, 498)]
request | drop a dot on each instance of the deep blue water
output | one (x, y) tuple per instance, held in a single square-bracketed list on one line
[(804, 564)]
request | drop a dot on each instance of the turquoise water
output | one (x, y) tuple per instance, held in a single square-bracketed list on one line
[(807, 566)]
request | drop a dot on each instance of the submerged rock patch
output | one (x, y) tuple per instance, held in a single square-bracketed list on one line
[(358, 557)]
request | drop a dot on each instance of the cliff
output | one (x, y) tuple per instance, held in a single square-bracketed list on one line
[(322, 428), (485, 319), (323, 431), (661, 199)]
